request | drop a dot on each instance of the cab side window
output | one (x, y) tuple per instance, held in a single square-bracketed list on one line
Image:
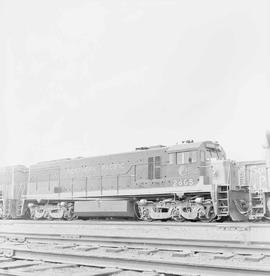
[(186, 157), (190, 156), (202, 153), (180, 158), (207, 155), (172, 158)]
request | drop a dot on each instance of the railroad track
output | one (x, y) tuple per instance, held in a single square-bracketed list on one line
[(241, 237), (17, 267), (247, 253), (220, 246), (176, 262)]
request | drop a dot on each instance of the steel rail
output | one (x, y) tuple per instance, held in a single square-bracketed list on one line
[(139, 242), (139, 223), (143, 263)]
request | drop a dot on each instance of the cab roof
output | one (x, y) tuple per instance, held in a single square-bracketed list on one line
[(189, 146)]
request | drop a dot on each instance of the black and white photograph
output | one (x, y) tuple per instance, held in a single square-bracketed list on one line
[(134, 137)]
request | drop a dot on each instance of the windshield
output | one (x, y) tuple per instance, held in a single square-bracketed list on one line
[(213, 154)]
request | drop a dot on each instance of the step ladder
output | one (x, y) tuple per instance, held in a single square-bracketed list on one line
[(6, 208), (257, 204), (243, 182), (223, 200), (19, 207), (9, 208), (242, 177)]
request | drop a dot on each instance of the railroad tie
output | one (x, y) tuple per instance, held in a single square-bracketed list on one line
[(18, 264), (224, 256), (115, 250), (64, 246), (101, 272), (184, 253), (255, 257), (151, 273), (5, 259), (148, 251), (47, 266), (86, 248), (19, 239)]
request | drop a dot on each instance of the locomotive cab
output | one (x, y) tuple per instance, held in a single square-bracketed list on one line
[(189, 176), (192, 161)]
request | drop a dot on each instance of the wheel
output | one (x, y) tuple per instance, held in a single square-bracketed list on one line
[(209, 214), (176, 215), (145, 215), (39, 214)]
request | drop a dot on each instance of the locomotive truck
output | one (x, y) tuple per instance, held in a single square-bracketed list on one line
[(188, 181)]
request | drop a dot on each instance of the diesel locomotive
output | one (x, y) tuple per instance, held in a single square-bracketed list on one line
[(188, 181)]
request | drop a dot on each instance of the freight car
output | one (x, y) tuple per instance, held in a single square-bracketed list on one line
[(188, 181), (13, 183), (254, 176)]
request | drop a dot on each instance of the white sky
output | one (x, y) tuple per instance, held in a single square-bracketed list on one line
[(83, 78)]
